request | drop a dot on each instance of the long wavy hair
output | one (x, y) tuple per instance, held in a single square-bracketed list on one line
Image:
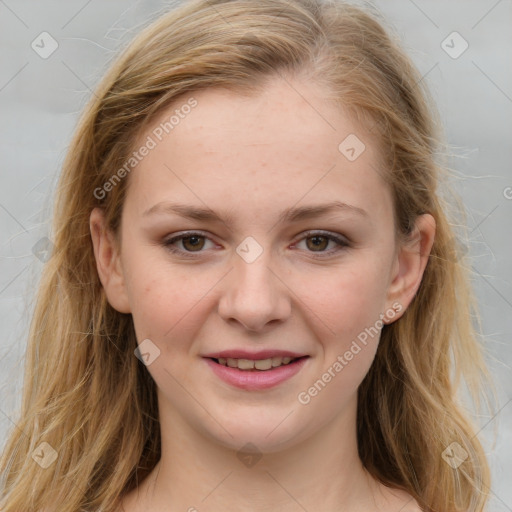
[(94, 403)]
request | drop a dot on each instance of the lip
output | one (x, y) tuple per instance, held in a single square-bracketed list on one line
[(253, 380), (253, 356)]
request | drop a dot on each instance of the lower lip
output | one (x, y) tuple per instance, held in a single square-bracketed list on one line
[(256, 379)]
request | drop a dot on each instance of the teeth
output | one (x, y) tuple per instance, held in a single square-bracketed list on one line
[(264, 364), (245, 364), (249, 364)]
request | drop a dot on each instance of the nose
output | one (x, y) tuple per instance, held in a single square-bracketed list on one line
[(254, 295)]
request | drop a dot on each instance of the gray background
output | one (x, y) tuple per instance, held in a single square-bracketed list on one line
[(40, 100)]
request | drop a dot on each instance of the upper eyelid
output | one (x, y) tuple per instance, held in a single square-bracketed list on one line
[(323, 232), (186, 234)]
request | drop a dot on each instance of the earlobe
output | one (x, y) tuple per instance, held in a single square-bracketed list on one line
[(411, 261), (108, 264)]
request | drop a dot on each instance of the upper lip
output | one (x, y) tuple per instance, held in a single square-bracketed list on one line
[(253, 356)]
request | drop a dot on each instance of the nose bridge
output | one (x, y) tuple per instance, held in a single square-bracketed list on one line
[(254, 276), (254, 295)]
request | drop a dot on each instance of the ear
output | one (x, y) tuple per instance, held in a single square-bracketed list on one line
[(108, 262), (410, 262)]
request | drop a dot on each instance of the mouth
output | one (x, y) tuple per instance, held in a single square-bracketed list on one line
[(253, 372), (256, 365)]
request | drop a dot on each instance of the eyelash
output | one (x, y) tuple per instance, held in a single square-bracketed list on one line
[(342, 243)]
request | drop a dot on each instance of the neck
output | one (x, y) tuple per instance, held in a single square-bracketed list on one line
[(196, 473)]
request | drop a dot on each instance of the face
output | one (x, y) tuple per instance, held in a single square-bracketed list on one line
[(297, 259)]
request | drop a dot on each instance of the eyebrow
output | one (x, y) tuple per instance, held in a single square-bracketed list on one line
[(293, 214)]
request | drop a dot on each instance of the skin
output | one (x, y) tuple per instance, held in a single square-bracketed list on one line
[(255, 157)]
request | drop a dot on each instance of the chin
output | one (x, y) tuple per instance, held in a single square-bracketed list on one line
[(259, 433)]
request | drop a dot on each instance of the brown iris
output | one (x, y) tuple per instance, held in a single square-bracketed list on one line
[(193, 243), (321, 245)]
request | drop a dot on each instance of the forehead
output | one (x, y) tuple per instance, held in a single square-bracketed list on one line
[(286, 145)]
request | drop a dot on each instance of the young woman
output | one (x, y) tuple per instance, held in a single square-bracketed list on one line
[(255, 300)]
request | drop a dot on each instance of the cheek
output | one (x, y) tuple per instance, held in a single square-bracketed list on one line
[(346, 299), (165, 299), (351, 303)]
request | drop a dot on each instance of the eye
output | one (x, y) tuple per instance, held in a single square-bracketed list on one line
[(192, 242), (318, 241)]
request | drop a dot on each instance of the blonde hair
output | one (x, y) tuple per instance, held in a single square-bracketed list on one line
[(94, 403)]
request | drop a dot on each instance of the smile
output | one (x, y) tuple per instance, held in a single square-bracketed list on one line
[(256, 374), (260, 364)]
